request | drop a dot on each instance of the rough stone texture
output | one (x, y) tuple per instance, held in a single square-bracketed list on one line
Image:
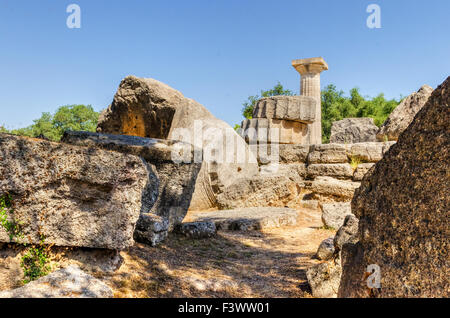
[(324, 279), (328, 153), (147, 108), (403, 210), (346, 233), (70, 282), (403, 114), (74, 196), (259, 191), (197, 230), (295, 108), (333, 214), (256, 218), (370, 151), (339, 189), (337, 170), (175, 181), (286, 153), (274, 131), (326, 249), (361, 170), (293, 171), (353, 130)]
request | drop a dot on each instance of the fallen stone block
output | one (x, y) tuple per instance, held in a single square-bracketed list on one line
[(402, 116), (71, 195), (328, 153), (324, 279), (333, 214), (361, 170), (353, 130), (70, 282), (258, 191), (197, 230), (336, 170), (175, 181), (326, 249), (403, 211), (369, 151), (340, 189), (148, 108), (249, 218)]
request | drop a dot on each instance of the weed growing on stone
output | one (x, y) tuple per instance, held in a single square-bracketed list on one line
[(35, 261)]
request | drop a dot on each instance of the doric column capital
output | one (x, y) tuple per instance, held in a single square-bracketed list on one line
[(313, 65)]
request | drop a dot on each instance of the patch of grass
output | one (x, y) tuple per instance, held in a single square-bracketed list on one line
[(355, 161), (10, 225), (35, 262)]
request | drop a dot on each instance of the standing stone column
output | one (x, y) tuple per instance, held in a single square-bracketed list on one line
[(310, 70)]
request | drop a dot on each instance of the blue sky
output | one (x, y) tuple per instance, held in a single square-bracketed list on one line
[(216, 52)]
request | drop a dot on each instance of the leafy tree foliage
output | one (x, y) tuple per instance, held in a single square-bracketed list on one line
[(336, 106), (250, 104), (52, 127)]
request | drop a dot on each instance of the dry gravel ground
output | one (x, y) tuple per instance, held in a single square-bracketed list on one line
[(270, 263)]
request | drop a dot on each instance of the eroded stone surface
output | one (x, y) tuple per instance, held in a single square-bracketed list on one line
[(73, 196), (353, 130), (403, 211), (295, 108), (70, 282), (333, 214), (175, 181), (402, 116), (254, 218)]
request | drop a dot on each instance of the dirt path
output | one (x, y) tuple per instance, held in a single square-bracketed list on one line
[(234, 264)]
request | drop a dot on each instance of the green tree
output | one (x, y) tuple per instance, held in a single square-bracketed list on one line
[(250, 104), (70, 117), (336, 106)]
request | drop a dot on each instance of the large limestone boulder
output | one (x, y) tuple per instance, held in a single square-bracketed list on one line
[(353, 130), (70, 282), (403, 211), (145, 107), (175, 180), (333, 214), (71, 195), (403, 114)]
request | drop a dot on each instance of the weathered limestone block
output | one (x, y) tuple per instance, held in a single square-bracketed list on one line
[(403, 211), (370, 151), (269, 190), (147, 108), (347, 233), (353, 130), (328, 153), (339, 189), (403, 114), (324, 279), (73, 196), (294, 171), (252, 218), (361, 170), (175, 181), (337, 170), (70, 282), (326, 249), (197, 230), (275, 131), (295, 108), (286, 154), (333, 214)]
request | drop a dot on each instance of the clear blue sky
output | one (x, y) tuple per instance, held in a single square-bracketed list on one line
[(214, 51)]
